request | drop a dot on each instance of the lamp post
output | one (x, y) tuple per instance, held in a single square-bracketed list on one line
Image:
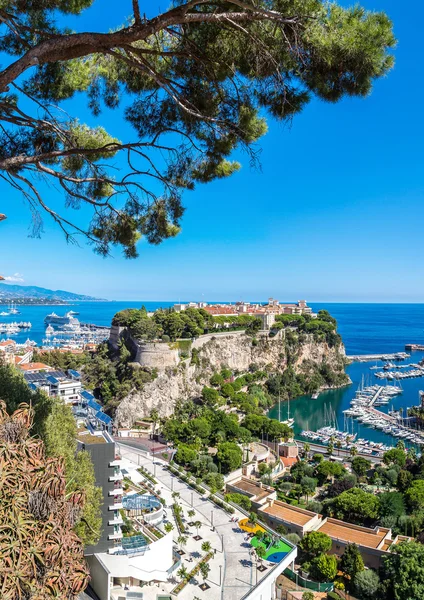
[(192, 499), (220, 575)]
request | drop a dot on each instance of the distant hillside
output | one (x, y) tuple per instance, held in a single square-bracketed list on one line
[(28, 292)]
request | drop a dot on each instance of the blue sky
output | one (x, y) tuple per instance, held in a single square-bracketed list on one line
[(335, 214)]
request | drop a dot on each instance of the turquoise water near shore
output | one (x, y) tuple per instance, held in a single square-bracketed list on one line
[(312, 414), (365, 329)]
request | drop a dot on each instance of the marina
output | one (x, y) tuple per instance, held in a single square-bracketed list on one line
[(370, 415)]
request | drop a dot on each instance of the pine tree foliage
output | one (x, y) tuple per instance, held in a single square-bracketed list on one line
[(195, 82)]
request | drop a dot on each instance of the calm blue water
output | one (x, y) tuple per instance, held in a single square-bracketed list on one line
[(365, 328)]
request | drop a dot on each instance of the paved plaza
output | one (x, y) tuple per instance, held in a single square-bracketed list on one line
[(233, 569)]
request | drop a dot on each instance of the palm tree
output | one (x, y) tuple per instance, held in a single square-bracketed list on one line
[(154, 415), (182, 541), (197, 525), (204, 569), (182, 572), (206, 547), (191, 513), (175, 495), (306, 449), (168, 527), (260, 553), (353, 451), (338, 446)]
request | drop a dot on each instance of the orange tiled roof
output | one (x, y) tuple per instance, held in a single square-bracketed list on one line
[(289, 514), (7, 343), (353, 534), (288, 461), (37, 366)]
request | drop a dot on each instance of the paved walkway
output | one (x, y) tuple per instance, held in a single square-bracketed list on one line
[(232, 563)]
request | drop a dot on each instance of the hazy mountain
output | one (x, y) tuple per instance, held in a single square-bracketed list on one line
[(15, 292)]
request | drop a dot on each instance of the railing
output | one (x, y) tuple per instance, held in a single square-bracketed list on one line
[(307, 583)]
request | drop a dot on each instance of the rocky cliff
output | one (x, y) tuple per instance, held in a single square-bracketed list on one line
[(210, 353)]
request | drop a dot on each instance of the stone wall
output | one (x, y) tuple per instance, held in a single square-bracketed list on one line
[(156, 355)]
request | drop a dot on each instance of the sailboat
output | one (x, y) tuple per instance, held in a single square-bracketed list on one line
[(13, 310), (289, 421)]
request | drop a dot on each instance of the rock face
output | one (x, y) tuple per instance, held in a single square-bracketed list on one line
[(234, 350)]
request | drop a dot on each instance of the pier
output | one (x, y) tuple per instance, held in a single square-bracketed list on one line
[(414, 347), (372, 357)]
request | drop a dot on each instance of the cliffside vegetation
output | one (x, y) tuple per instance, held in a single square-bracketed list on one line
[(168, 325)]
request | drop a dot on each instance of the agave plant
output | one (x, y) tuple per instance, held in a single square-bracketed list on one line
[(40, 556)]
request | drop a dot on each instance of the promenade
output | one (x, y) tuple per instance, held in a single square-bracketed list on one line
[(233, 572)]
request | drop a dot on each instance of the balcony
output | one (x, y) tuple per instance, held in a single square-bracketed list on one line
[(117, 506), (116, 535), (116, 463), (116, 477), (116, 492), (116, 520)]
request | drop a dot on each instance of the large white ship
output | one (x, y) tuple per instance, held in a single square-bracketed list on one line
[(66, 323)]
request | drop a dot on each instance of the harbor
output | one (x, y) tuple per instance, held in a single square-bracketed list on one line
[(370, 414)]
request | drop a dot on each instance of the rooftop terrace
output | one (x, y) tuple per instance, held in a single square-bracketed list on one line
[(363, 536), (288, 513)]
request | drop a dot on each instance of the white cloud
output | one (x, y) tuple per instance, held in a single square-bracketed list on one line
[(17, 277)]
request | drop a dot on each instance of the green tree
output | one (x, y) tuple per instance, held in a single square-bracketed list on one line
[(182, 542), (404, 480), (204, 569), (168, 527), (197, 83), (185, 454), (308, 596), (366, 584), (327, 469), (217, 380), (315, 543), (260, 553), (414, 495), (182, 573), (206, 546), (227, 390), (197, 525), (351, 562), (402, 572), (210, 396), (392, 505), (395, 456), (360, 465), (324, 567), (308, 485), (355, 506), (229, 456)]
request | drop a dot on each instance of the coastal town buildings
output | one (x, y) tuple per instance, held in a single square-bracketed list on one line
[(273, 307), (55, 383), (373, 544)]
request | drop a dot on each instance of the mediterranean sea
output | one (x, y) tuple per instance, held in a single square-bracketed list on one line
[(365, 329)]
